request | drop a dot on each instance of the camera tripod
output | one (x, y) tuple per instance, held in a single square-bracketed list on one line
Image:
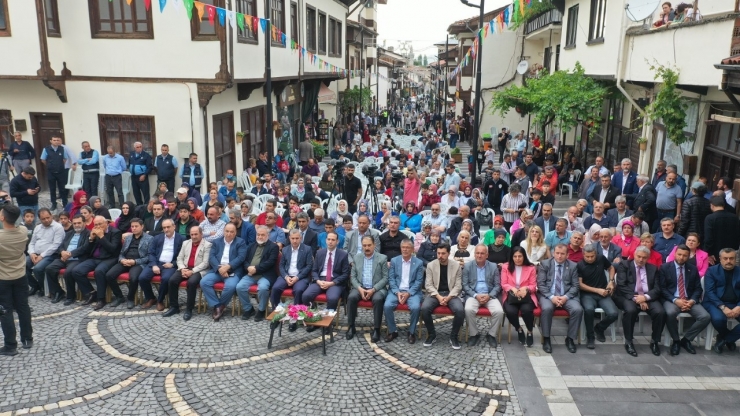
[(371, 196)]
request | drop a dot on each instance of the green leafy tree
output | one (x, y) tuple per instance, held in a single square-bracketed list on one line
[(425, 62), (530, 11), (563, 98), (353, 100), (669, 105)]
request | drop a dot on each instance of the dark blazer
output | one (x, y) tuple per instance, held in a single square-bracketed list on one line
[(613, 252), (81, 249), (151, 229), (714, 284), (540, 222), (157, 245), (237, 254), (627, 278), (304, 264), (266, 267), (311, 239), (631, 182), (644, 201), (721, 230), (110, 244), (518, 236), (249, 233), (611, 195), (669, 281), (613, 216), (144, 243), (546, 278), (340, 267)]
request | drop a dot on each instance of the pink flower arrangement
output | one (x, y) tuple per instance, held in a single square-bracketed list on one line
[(294, 313)]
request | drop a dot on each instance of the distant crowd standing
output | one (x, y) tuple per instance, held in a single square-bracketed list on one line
[(381, 225)]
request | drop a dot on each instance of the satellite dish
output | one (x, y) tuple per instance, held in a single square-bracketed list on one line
[(639, 10), (522, 68)]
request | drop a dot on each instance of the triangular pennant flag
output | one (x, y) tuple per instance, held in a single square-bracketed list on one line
[(200, 7), (284, 39), (129, 2), (240, 20), (263, 24), (491, 26), (221, 16), (507, 13), (232, 18), (147, 4), (211, 14), (189, 8), (162, 3), (177, 4), (521, 7)]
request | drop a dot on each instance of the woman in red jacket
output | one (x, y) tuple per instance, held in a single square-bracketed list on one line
[(647, 240), (429, 197), (519, 284), (626, 241)]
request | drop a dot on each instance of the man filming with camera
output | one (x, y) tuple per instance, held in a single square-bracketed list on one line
[(13, 281)]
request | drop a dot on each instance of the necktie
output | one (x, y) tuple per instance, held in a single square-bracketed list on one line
[(559, 280), (640, 290), (681, 284), (329, 265), (303, 235)]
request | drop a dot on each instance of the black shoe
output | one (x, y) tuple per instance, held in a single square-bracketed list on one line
[(8, 352), (473, 340), (655, 348), (599, 334), (431, 339), (455, 343), (292, 327), (570, 345), (90, 298), (40, 293), (522, 337), (248, 314), (187, 315), (99, 305), (530, 339), (590, 343), (170, 312), (58, 297), (492, 341), (686, 344), (719, 346), (129, 304), (27, 344), (391, 336), (630, 347), (118, 301), (69, 302), (375, 337), (675, 348), (32, 292), (350, 333), (259, 316), (731, 346), (547, 346)]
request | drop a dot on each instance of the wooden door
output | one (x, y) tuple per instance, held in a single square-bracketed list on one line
[(45, 126), (253, 126), (223, 140)]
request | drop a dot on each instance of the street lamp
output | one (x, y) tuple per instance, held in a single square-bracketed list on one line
[(478, 60)]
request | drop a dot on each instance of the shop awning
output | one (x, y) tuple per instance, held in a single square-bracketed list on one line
[(326, 95)]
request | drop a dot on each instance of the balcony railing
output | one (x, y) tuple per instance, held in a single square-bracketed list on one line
[(542, 20)]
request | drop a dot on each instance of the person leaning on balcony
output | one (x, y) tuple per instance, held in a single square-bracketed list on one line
[(666, 15)]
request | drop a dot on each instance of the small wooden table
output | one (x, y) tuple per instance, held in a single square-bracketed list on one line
[(323, 324)]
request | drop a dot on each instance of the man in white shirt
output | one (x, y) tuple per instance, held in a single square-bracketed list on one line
[(599, 164), (295, 271), (46, 239), (438, 219), (163, 251)]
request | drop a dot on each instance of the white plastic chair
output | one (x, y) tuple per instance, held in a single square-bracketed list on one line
[(306, 207), (409, 234), (264, 198), (114, 213), (74, 180), (316, 179), (576, 176), (125, 184), (280, 211)]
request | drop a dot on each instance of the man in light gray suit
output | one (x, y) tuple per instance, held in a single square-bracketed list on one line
[(481, 286), (353, 240), (369, 281), (405, 277), (558, 285)]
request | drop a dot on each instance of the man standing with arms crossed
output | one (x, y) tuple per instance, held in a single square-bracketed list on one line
[(166, 166), (90, 162), (55, 157)]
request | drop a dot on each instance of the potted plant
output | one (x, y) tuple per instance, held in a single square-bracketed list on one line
[(240, 136), (456, 155), (319, 150), (642, 141)]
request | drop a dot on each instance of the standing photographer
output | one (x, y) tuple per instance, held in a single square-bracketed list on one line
[(352, 188), (13, 281)]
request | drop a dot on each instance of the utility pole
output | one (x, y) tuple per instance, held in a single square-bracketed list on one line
[(268, 84), (447, 70), (362, 66), (478, 60)]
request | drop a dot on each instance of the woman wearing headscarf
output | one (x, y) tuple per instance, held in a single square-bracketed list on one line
[(450, 198), (195, 212), (498, 224), (428, 249), (362, 208), (300, 191), (342, 210), (123, 222), (476, 201), (430, 197), (293, 222), (627, 241), (526, 215), (410, 220), (79, 200), (467, 225), (592, 235), (98, 209), (498, 252), (382, 217), (423, 235), (467, 194)]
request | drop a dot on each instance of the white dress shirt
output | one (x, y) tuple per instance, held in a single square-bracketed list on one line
[(225, 256), (168, 250), (293, 268), (405, 275), (326, 261)]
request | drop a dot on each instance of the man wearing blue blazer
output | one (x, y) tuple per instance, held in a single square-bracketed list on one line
[(163, 251), (722, 299), (259, 265), (295, 271), (329, 275), (626, 179), (228, 254), (405, 277), (481, 287)]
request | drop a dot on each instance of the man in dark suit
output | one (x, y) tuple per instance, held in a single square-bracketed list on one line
[(619, 212), (606, 193), (104, 245), (722, 298), (308, 236), (558, 286), (368, 282), (227, 266), (295, 271), (71, 252), (721, 228), (163, 251), (681, 287), (606, 248), (259, 265), (329, 275), (153, 225), (644, 199), (546, 221), (521, 234), (638, 289), (626, 179)]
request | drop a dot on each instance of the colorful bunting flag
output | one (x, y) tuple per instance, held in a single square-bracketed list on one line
[(147, 4), (162, 3)]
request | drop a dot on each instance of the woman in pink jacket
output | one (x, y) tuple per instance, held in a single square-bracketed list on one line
[(698, 256), (519, 284)]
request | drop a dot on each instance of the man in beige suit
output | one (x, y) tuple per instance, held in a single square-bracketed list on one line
[(443, 286), (368, 282), (192, 261)]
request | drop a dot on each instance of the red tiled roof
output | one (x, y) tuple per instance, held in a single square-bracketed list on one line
[(733, 60)]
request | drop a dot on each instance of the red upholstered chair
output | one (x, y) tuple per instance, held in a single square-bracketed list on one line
[(217, 287)]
